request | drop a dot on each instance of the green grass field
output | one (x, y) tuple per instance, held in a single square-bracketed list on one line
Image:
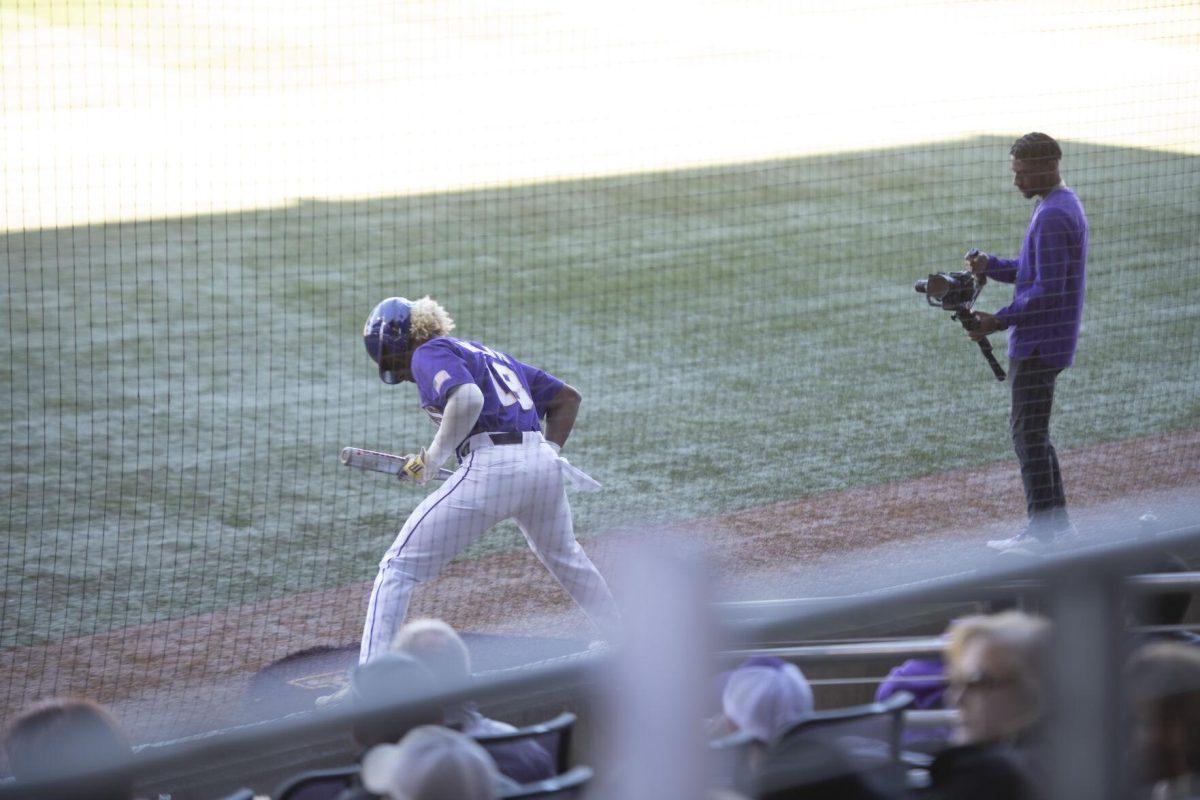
[(179, 389)]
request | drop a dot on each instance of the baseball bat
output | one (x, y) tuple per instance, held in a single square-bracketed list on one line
[(375, 461)]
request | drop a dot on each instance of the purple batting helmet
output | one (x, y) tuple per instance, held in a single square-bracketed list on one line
[(386, 335)]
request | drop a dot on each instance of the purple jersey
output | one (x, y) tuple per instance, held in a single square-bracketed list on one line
[(515, 395), (1047, 305)]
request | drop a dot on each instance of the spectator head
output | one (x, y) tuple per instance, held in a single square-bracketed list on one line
[(1164, 679), (996, 674), (388, 680), (436, 645), (431, 763), (763, 699), (68, 733)]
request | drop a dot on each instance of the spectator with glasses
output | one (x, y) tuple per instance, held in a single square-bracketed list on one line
[(996, 681)]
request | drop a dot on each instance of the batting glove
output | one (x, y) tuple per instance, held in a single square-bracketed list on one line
[(414, 469)]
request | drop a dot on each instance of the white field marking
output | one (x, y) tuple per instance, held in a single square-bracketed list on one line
[(176, 109)]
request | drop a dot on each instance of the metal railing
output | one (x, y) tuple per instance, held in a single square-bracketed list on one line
[(1085, 734), (890, 648), (750, 610)]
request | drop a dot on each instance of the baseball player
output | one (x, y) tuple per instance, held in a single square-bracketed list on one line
[(488, 408)]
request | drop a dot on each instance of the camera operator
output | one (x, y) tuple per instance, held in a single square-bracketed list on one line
[(1043, 322)]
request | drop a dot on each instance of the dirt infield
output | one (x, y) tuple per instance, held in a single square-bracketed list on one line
[(150, 672)]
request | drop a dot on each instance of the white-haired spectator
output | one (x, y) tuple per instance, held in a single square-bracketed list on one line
[(1164, 678), (763, 697), (996, 674), (438, 647), (431, 763)]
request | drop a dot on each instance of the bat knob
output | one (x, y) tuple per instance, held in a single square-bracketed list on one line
[(345, 456)]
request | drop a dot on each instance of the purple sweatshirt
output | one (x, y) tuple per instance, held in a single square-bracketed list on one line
[(1047, 304), (923, 677)]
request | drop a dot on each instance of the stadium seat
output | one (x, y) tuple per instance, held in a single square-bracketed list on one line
[(871, 722), (322, 784), (553, 734), (561, 787), (853, 751)]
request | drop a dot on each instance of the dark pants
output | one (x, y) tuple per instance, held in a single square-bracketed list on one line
[(1032, 398)]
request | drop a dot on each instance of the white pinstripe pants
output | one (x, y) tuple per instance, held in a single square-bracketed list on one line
[(522, 482)]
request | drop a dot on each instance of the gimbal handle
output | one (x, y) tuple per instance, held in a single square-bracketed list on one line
[(970, 322), (986, 347)]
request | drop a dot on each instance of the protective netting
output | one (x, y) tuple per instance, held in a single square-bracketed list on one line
[(706, 217)]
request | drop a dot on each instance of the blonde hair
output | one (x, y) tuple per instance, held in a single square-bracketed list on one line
[(436, 645), (428, 320), (1020, 644), (1022, 637)]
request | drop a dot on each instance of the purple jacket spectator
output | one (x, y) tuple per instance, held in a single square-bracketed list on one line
[(923, 678)]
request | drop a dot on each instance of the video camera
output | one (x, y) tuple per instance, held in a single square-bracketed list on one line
[(951, 290), (957, 292)]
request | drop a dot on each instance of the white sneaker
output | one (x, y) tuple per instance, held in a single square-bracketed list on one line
[(1030, 547), (1020, 540), (1024, 542)]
